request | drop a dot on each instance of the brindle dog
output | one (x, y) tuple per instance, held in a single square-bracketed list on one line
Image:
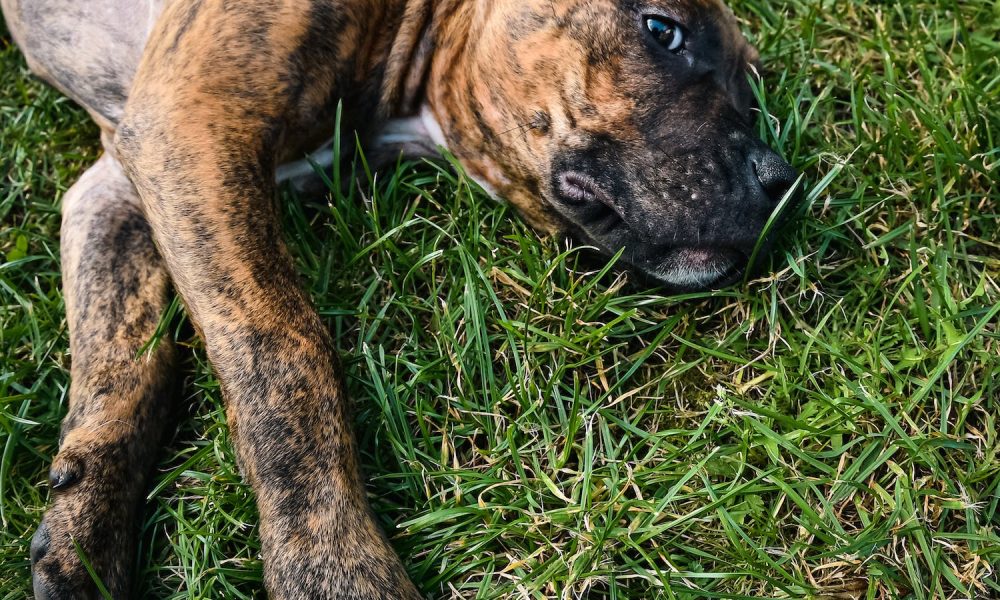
[(634, 131)]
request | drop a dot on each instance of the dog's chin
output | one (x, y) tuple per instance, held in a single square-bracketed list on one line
[(677, 269), (695, 269)]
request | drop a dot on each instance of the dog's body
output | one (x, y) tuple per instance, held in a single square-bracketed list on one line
[(583, 114)]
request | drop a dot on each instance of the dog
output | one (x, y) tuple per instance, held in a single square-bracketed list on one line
[(632, 128)]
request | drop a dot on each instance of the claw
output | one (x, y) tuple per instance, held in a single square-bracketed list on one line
[(67, 470), (61, 479)]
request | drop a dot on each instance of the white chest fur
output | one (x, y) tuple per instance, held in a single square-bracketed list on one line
[(412, 137), (419, 136)]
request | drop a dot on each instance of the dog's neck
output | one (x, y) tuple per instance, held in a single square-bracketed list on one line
[(426, 79), (431, 38), (420, 107), (418, 46)]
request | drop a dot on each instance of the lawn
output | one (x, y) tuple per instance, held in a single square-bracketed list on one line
[(537, 426)]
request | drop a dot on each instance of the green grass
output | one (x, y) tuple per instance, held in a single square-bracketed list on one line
[(533, 428)]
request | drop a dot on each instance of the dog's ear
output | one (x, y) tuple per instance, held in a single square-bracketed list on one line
[(743, 96), (752, 58)]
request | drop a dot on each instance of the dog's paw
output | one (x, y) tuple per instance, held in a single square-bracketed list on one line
[(90, 523), (57, 570)]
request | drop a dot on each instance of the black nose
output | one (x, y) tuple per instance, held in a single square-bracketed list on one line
[(774, 174)]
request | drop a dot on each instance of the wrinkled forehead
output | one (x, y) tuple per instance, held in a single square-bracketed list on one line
[(544, 10), (683, 9), (606, 21)]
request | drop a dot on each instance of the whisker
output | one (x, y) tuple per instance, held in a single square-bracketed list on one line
[(520, 128)]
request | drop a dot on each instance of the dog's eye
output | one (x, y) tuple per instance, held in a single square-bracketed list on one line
[(668, 33)]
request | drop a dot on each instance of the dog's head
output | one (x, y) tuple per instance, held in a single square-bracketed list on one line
[(625, 124)]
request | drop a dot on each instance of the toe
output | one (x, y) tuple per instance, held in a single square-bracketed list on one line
[(41, 593), (40, 543), (39, 549)]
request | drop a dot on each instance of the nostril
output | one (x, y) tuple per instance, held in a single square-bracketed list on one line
[(774, 175)]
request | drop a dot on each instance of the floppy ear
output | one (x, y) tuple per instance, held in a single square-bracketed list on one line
[(752, 58), (741, 91)]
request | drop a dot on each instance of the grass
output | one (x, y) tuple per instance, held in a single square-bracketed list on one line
[(534, 428)]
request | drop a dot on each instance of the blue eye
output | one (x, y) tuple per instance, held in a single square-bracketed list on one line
[(668, 33)]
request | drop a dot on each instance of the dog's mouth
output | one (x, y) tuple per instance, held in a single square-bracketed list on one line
[(601, 221), (695, 268)]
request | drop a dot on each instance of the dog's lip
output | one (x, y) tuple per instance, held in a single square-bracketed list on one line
[(581, 191), (577, 188), (697, 268)]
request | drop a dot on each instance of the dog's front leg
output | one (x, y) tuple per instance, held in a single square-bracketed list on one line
[(219, 87)]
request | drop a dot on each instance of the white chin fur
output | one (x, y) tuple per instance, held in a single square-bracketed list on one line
[(691, 277)]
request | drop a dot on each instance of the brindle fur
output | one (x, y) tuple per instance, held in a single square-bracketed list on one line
[(199, 101)]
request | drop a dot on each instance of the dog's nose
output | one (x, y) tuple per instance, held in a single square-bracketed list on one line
[(773, 174)]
